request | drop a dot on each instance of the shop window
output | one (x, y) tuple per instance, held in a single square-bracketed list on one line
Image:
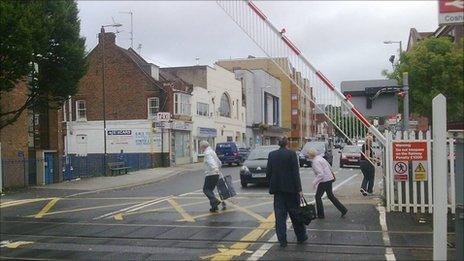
[(202, 109)]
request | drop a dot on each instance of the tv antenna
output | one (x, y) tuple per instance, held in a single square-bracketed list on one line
[(116, 27), (139, 48), (132, 27)]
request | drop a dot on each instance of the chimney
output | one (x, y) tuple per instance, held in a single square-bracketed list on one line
[(110, 38)]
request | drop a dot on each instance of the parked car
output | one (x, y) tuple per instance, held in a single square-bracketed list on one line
[(228, 153), (254, 168), (322, 147), (350, 155), (244, 152)]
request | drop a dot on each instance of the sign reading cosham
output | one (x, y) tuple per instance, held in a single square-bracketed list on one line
[(450, 12)]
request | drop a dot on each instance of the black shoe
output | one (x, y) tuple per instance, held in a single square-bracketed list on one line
[(283, 244), (344, 213), (224, 207), (213, 210), (363, 192), (303, 240)]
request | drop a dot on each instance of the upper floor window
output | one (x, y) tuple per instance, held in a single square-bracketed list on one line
[(224, 107), (81, 111), (202, 109), (294, 96), (294, 111), (181, 104), (153, 107)]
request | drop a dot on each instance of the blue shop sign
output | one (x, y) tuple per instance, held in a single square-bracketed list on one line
[(207, 132)]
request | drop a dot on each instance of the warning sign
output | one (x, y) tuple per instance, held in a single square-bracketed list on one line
[(400, 170), (409, 150), (419, 170)]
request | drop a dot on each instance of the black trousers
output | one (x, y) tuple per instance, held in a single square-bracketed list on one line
[(368, 171), (208, 189), (327, 188), (283, 203)]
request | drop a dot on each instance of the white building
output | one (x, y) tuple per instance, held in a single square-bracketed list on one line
[(218, 112)]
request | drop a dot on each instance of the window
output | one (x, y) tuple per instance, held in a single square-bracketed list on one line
[(237, 107), (81, 111), (202, 109), (153, 107), (294, 111), (63, 108), (181, 104), (224, 108), (294, 97)]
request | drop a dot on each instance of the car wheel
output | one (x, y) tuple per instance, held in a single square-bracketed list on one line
[(301, 165), (244, 184), (341, 165)]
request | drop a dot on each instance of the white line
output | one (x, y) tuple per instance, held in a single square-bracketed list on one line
[(389, 254), (265, 247), (143, 204)]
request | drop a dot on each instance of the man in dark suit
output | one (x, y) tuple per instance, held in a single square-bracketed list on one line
[(284, 182)]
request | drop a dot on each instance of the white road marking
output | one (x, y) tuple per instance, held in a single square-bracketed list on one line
[(389, 254), (137, 206), (265, 247)]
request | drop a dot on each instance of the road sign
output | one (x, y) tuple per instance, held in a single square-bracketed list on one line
[(400, 170), (419, 170), (163, 117), (450, 12)]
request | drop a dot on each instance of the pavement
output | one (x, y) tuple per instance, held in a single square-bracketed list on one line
[(169, 219)]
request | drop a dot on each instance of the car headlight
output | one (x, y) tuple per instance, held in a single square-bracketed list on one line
[(245, 168)]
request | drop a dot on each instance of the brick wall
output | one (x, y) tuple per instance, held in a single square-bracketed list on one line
[(127, 87), (14, 138)]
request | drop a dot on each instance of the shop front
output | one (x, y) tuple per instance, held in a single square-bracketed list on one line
[(180, 142), (207, 134)]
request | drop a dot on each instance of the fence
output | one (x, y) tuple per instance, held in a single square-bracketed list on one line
[(411, 195)]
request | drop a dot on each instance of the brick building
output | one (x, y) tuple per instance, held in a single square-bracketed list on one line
[(135, 91)]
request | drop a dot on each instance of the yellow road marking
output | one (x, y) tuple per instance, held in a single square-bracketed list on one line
[(163, 208), (249, 212), (228, 210), (47, 207), (83, 209), (239, 248), (187, 217), (20, 202), (118, 217), (10, 244)]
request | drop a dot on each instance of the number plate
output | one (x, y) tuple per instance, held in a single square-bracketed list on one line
[(352, 160), (258, 175)]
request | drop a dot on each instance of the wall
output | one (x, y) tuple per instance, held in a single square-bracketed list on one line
[(14, 138), (201, 94), (264, 82)]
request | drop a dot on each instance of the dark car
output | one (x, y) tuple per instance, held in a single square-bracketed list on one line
[(244, 152), (254, 168), (228, 153), (322, 147), (350, 155)]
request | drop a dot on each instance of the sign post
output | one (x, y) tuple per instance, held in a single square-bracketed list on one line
[(161, 119), (450, 12)]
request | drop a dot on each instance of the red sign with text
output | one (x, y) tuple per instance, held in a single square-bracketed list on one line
[(409, 150), (451, 6)]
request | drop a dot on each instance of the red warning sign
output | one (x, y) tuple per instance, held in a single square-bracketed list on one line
[(409, 150)]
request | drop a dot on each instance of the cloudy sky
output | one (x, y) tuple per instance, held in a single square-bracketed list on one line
[(343, 39)]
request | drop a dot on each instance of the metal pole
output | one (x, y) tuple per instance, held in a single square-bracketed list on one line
[(440, 171), (406, 101), (104, 99), (1, 172)]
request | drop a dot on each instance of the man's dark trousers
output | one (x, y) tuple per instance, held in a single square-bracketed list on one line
[(208, 189), (283, 203)]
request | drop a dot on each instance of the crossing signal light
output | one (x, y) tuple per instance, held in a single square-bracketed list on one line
[(349, 97), (400, 94)]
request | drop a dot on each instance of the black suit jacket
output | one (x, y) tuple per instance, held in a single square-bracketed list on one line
[(283, 171)]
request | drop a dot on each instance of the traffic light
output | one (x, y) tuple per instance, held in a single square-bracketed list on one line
[(349, 96)]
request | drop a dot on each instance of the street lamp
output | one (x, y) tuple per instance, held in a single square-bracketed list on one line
[(395, 42), (102, 31)]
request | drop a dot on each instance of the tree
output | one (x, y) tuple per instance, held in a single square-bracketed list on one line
[(40, 44), (435, 65)]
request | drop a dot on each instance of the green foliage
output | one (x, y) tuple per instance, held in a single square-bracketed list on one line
[(42, 34), (435, 65)]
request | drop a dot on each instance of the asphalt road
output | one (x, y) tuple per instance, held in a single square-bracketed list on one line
[(170, 220)]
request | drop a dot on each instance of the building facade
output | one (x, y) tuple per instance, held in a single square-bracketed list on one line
[(297, 117), (262, 97), (134, 92), (217, 105)]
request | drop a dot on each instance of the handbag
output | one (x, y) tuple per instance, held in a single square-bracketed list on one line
[(225, 187), (305, 213)]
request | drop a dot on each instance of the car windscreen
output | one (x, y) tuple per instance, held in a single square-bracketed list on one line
[(351, 149), (319, 146), (225, 147), (261, 153)]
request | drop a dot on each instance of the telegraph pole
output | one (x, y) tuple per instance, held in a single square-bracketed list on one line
[(406, 101)]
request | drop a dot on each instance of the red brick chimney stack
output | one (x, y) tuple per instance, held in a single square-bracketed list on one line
[(110, 38)]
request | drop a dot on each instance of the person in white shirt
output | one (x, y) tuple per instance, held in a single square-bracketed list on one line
[(212, 171), (323, 183)]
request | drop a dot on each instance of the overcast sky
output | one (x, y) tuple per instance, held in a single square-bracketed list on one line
[(343, 39)]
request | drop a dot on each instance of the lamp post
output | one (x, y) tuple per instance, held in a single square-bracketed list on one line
[(396, 42), (102, 32)]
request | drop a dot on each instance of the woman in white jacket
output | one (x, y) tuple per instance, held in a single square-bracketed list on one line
[(323, 183)]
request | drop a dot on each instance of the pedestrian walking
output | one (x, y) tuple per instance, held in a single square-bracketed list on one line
[(284, 183), (323, 183), (212, 171), (367, 168)]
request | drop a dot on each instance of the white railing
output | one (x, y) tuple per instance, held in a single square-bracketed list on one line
[(416, 196)]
